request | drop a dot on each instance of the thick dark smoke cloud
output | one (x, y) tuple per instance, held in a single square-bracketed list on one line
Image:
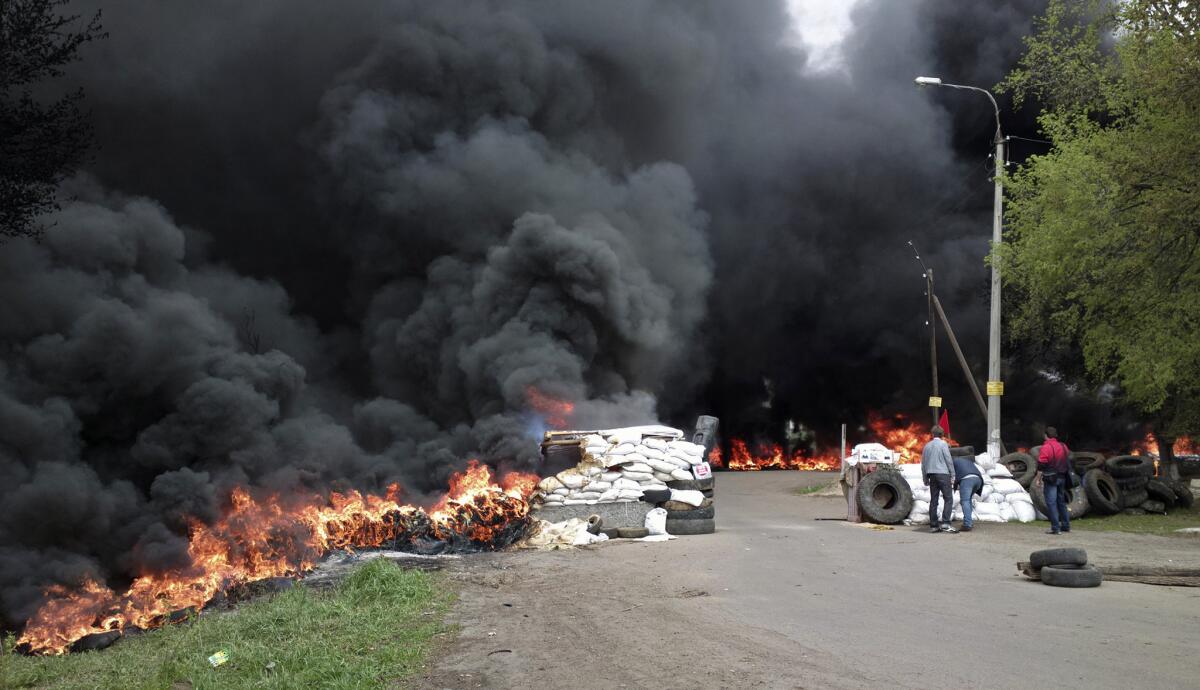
[(332, 245)]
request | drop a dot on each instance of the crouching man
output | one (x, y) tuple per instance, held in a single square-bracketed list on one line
[(969, 482), (937, 467)]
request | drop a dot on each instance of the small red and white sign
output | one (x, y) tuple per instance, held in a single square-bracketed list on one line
[(702, 471)]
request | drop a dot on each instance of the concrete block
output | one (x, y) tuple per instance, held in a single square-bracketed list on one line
[(623, 514)]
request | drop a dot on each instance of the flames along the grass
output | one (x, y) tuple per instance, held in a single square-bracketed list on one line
[(269, 536), (905, 437)]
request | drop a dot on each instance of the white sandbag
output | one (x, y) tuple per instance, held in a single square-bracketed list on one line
[(986, 509), (553, 499), (595, 440), (920, 508), (1007, 486), (661, 465), (681, 475), (610, 495), (997, 499), (574, 502), (985, 461), (986, 491), (657, 537), (663, 476), (586, 495), (956, 515), (590, 471), (656, 443), (921, 494), (692, 498), (656, 521), (639, 477), (622, 449), (1000, 471), (919, 519), (631, 435), (911, 472), (627, 467), (597, 485), (1007, 511), (623, 484), (651, 452), (687, 447), (988, 518), (677, 462), (1021, 497), (610, 476), (549, 484), (653, 485), (631, 493), (1024, 511), (571, 479)]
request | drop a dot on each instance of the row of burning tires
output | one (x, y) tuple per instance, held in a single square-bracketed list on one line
[(1122, 483)]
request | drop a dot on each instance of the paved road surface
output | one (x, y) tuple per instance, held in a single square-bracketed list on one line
[(778, 599)]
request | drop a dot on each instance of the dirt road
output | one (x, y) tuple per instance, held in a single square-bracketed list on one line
[(778, 599)]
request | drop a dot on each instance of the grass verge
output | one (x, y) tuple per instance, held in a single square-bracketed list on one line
[(1150, 523), (815, 488), (374, 629)]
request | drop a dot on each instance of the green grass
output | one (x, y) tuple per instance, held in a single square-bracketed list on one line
[(376, 628), (806, 490), (1150, 523)]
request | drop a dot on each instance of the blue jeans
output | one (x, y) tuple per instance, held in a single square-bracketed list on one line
[(966, 490), (1055, 492)]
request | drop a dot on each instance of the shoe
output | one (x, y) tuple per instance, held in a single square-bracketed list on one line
[(966, 528), (1066, 531), (949, 529), (1053, 531), (935, 530)]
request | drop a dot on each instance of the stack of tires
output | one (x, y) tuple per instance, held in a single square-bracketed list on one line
[(1122, 483), (684, 519), (884, 496), (1067, 567)]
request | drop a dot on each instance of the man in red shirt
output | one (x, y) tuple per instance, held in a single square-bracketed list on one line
[(1055, 468)]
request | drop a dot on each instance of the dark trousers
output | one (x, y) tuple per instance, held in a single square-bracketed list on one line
[(1055, 491), (939, 485)]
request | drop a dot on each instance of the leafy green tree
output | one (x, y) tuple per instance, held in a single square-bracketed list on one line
[(41, 140), (1103, 239)]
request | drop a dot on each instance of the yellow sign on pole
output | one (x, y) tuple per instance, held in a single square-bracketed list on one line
[(995, 388), (935, 401)]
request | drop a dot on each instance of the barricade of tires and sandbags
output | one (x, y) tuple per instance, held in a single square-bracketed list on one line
[(1001, 499), (1110, 485), (623, 474)]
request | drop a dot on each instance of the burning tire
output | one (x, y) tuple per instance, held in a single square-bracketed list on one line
[(1084, 576), (686, 527), (1122, 466), (1084, 462), (697, 514), (693, 484), (1161, 491), (1103, 493), (1183, 494), (1054, 557), (884, 497), (1022, 466)]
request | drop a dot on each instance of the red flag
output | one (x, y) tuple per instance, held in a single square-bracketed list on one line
[(944, 422)]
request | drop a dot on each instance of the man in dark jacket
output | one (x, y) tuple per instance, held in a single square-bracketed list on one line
[(1053, 463), (969, 482)]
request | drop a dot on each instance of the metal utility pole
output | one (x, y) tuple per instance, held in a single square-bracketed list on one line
[(932, 346), (995, 386)]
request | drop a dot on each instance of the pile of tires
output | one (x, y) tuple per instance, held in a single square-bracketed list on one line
[(884, 496), (1064, 567), (685, 519)]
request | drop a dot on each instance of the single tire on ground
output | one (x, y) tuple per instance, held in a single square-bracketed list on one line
[(1152, 506), (611, 532), (1132, 483), (1022, 466), (632, 532), (1134, 499), (1066, 555), (696, 514), (693, 484), (1161, 491), (1083, 461), (1121, 466), (884, 497), (1104, 496), (1087, 576), (686, 527), (1183, 494), (962, 451)]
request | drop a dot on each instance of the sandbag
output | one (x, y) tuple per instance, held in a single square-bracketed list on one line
[(656, 443), (986, 491), (1007, 486), (610, 476), (1024, 511), (597, 485), (986, 509), (985, 462), (610, 495), (622, 449), (571, 479), (624, 484), (687, 447), (1000, 471), (631, 494), (627, 467), (639, 477), (651, 452), (1022, 497), (1007, 511), (662, 476), (989, 518), (693, 498), (661, 465), (911, 471), (656, 521), (681, 475), (549, 484)]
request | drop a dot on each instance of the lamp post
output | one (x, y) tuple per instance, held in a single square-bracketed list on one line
[(995, 386)]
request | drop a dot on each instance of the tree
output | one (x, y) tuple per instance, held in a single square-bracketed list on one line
[(40, 142), (1103, 245)]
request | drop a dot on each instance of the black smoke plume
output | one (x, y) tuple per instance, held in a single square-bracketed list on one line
[(327, 245)]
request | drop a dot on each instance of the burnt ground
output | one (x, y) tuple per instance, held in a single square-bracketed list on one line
[(780, 599)]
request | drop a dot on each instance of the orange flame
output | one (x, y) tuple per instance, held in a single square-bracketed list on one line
[(1149, 446), (266, 537), (556, 412)]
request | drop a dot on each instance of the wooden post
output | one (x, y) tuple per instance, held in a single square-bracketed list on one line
[(962, 361), (932, 338)]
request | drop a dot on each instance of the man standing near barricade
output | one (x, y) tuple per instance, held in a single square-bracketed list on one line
[(937, 467), (1056, 481), (968, 481)]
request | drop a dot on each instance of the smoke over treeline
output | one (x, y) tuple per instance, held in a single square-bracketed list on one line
[(339, 244)]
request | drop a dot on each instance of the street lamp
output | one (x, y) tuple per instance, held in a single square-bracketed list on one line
[(995, 387)]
